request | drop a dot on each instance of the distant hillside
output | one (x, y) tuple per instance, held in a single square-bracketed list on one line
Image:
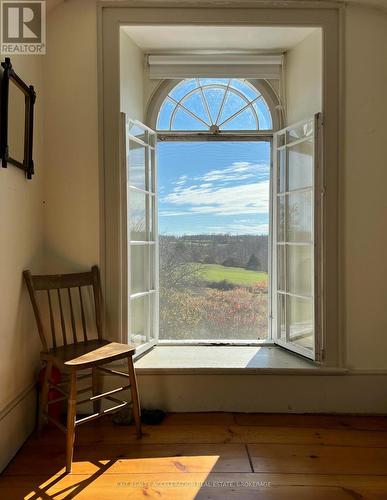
[(223, 249)]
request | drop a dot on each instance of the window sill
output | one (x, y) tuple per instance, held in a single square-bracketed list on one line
[(212, 359)]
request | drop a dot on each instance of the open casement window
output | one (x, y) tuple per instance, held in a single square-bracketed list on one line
[(141, 241), (296, 238)]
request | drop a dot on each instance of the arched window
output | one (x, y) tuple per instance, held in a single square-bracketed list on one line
[(214, 106)]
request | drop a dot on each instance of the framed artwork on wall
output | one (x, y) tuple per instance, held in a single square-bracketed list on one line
[(16, 120)]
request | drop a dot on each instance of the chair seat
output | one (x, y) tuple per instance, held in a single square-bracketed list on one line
[(89, 353)]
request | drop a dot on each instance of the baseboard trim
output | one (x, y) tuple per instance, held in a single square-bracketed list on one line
[(17, 421), (16, 400)]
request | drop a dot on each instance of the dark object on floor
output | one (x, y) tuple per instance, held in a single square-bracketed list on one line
[(152, 417), (123, 417)]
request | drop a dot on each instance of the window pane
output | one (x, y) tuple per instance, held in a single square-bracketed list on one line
[(214, 81), (183, 88), (281, 269), (281, 174), (152, 314), (300, 270), (264, 117), (196, 105), (214, 97), (138, 268), (248, 90), (163, 120), (152, 267), (281, 314), (281, 200), (305, 130), (300, 319), (136, 174), (152, 170), (137, 221), (139, 313), (151, 218), (184, 121), (137, 131), (299, 216), (244, 121), (232, 104), (300, 165)]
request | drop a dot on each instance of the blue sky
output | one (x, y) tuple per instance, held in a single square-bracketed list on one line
[(213, 187)]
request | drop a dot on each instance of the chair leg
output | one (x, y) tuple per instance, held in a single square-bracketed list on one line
[(71, 415), (43, 400), (96, 389), (135, 398)]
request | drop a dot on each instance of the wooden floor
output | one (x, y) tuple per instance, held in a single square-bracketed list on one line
[(209, 456)]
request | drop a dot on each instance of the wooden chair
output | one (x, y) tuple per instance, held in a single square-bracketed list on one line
[(68, 292)]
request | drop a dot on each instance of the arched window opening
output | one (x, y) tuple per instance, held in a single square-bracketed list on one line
[(222, 224), (214, 105)]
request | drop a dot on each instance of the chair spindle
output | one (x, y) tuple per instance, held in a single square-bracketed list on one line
[(72, 317), (51, 320), (83, 315), (62, 320)]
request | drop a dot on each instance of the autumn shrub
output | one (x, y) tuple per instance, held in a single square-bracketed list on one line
[(179, 313), (237, 312)]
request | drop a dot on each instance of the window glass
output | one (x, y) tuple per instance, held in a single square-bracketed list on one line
[(213, 215), (201, 104), (136, 165), (138, 256), (137, 220), (300, 165)]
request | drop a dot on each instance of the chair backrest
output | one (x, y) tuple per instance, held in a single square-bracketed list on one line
[(67, 292)]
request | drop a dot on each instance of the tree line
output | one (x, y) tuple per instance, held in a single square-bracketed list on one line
[(245, 251)]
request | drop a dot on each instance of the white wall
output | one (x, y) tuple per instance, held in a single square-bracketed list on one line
[(131, 78), (21, 239), (71, 138), (303, 78), (364, 180)]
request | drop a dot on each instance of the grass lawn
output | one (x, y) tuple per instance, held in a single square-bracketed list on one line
[(236, 275)]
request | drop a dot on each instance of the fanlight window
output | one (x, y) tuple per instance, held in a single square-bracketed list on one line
[(214, 105)]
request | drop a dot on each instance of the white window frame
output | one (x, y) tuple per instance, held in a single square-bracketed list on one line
[(321, 14), (151, 283), (281, 144)]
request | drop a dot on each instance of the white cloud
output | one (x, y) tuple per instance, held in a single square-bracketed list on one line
[(171, 213), (239, 170), (181, 180), (241, 199)]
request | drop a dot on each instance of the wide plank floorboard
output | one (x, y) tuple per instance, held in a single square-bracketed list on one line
[(209, 456)]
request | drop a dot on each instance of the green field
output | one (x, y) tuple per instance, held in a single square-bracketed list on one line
[(235, 275)]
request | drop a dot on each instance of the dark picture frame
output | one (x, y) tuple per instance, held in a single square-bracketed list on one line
[(9, 77)]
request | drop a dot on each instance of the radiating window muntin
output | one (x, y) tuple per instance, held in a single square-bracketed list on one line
[(214, 105)]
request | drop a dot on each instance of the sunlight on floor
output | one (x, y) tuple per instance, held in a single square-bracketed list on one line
[(165, 482)]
